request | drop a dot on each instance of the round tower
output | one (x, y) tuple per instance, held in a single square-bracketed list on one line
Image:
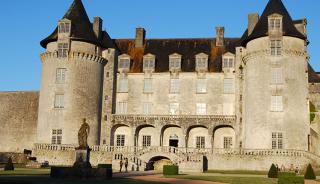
[(275, 91), (72, 77)]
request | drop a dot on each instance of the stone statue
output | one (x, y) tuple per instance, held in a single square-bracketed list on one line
[(83, 135)]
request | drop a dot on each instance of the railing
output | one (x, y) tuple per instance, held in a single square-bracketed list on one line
[(182, 152), (129, 117)]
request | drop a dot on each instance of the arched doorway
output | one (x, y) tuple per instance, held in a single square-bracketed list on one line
[(156, 163)]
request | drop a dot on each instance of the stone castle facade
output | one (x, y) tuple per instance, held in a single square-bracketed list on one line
[(217, 103)]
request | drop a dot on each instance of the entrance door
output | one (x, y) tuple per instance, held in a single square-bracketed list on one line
[(173, 143)]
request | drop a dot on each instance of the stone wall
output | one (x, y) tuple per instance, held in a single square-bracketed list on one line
[(18, 120)]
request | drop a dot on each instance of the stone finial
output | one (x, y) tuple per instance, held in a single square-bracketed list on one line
[(97, 26), (253, 19), (140, 37), (219, 36)]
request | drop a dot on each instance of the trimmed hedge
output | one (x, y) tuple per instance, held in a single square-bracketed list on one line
[(9, 165), (108, 166), (273, 172), (170, 170), (286, 174), (310, 173)]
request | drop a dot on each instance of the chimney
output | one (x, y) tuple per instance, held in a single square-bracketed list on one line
[(253, 19), (140, 37), (220, 36), (97, 26)]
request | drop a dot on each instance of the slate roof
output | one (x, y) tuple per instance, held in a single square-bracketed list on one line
[(313, 76), (261, 29), (81, 28), (188, 48)]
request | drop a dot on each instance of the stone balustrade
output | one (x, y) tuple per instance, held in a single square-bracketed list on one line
[(183, 151)]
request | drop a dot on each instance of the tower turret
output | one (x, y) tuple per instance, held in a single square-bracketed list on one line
[(275, 90), (72, 77)]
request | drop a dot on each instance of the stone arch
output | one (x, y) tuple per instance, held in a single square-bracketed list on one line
[(221, 131), (152, 132), (113, 131), (162, 131), (157, 163), (190, 128)]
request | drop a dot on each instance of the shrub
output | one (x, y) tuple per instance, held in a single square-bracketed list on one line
[(170, 170), (287, 179), (286, 174), (309, 173), (108, 166), (273, 172), (9, 165)]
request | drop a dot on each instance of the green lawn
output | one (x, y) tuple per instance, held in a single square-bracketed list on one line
[(48, 180), (238, 172), (25, 171), (230, 179)]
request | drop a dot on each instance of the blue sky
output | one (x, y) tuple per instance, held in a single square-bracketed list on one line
[(26, 22)]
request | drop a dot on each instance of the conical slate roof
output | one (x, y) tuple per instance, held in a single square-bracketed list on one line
[(261, 28), (81, 27)]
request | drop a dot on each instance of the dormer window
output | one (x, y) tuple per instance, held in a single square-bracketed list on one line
[(175, 62), (124, 63), (201, 62), (228, 62), (64, 27), (275, 23), (148, 62)]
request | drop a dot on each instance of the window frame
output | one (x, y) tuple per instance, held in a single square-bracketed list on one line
[(149, 62), (174, 86), (148, 85), (120, 140), (123, 85), (276, 47), (122, 107), (276, 104), (174, 108), (56, 136), (59, 101), (202, 61), (124, 63), (201, 109), (63, 49), (202, 86), (146, 140), (227, 142), (61, 75), (228, 86), (147, 108), (175, 62), (276, 76), (277, 140), (200, 142)]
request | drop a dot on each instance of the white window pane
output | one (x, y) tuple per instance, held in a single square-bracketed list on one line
[(146, 140), (276, 76), (174, 108), (60, 75), (122, 108), (147, 108), (277, 140), (276, 103), (200, 142), (148, 64), (201, 108), (201, 86), (124, 63), (202, 63), (147, 86), (228, 86), (123, 85), (174, 86), (59, 101)]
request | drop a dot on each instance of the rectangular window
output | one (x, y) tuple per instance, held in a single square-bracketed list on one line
[(276, 103), (147, 108), (276, 76), (147, 87), (56, 136), (275, 24), (120, 140), (175, 63), (202, 63), (228, 63), (275, 47), (61, 75), (201, 109), (277, 140), (59, 101), (146, 140), (227, 142), (200, 142), (64, 27), (124, 64), (148, 63), (174, 86), (174, 108), (122, 108), (201, 85), (123, 85), (63, 49), (228, 86)]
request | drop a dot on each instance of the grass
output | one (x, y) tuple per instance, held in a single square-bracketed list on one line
[(48, 180), (230, 179), (25, 171), (238, 172)]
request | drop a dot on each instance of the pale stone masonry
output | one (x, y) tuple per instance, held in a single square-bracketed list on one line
[(217, 103)]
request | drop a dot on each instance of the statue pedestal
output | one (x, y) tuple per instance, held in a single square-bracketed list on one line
[(82, 158)]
